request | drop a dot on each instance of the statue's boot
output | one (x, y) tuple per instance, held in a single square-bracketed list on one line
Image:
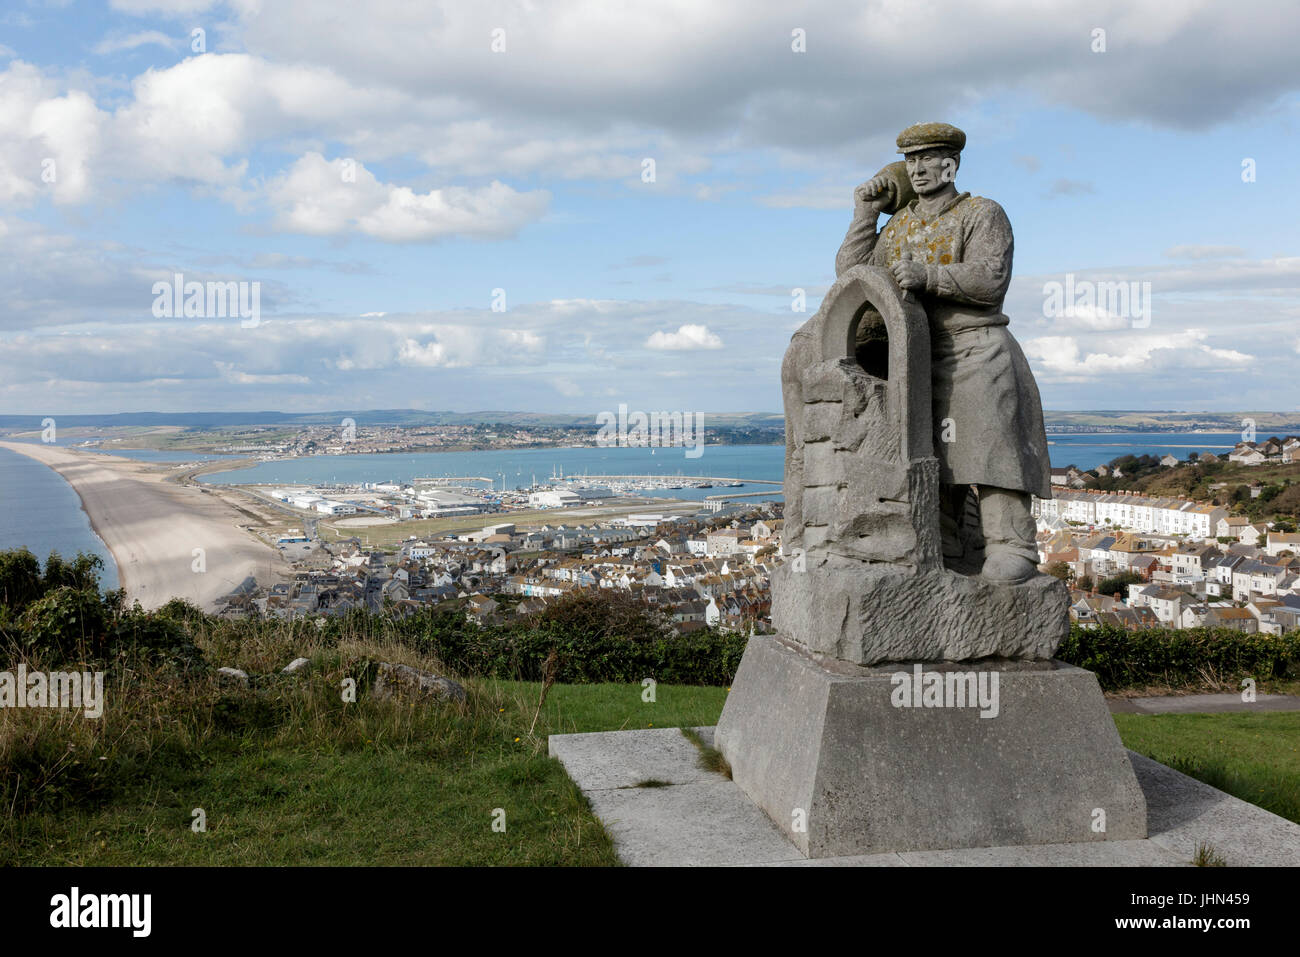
[(1007, 568), (1011, 554)]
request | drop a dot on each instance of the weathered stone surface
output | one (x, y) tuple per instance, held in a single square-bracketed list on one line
[(700, 822), (854, 440), (825, 742), (295, 666), (689, 825), (400, 680), (882, 612), (863, 490), (1185, 813), (914, 440), (232, 676), (598, 762), (905, 395)]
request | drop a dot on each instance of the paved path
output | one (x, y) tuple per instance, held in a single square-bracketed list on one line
[(1203, 704), (696, 817)]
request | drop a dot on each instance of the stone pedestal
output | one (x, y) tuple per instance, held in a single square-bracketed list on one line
[(871, 613), (832, 754)]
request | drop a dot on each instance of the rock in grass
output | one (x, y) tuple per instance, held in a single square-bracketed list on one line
[(400, 680), (232, 675), (295, 666)]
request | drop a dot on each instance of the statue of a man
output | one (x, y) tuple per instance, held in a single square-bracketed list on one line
[(953, 251)]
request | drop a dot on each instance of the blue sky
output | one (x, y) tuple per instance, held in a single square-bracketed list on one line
[(521, 170)]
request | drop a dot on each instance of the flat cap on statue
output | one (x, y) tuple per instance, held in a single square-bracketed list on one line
[(923, 136)]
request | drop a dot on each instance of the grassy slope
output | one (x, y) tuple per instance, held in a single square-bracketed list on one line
[(419, 786), (356, 785), (1255, 757)]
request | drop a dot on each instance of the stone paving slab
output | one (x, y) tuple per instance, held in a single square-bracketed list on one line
[(689, 825), (1092, 854), (704, 819), (1202, 704), (1181, 815), (623, 759)]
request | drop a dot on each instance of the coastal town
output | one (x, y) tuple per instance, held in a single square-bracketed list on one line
[(1144, 561), (1132, 560), (711, 568)]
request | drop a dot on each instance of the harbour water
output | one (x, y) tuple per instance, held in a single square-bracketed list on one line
[(519, 467), (1088, 450), (42, 512)]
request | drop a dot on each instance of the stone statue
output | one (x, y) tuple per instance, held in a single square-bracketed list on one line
[(914, 440), (953, 250), (914, 435)]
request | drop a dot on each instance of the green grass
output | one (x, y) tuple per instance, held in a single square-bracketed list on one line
[(289, 775), (287, 808), (1255, 757), (615, 707), (1207, 855), (710, 759)]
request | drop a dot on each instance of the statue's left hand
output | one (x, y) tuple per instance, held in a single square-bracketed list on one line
[(908, 274)]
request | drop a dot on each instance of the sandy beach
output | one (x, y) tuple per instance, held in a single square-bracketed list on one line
[(152, 528)]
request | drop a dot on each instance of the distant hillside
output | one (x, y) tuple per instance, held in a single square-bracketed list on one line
[(214, 420), (1266, 423)]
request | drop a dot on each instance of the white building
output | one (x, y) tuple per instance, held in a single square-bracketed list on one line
[(724, 541), (1162, 516), (1247, 454), (552, 498), (1279, 542)]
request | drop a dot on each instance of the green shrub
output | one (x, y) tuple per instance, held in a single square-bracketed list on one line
[(1180, 658), (596, 637), (82, 573), (157, 636), (20, 578), (1119, 584), (65, 623)]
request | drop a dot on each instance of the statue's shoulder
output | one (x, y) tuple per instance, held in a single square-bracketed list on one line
[(985, 206), (987, 213)]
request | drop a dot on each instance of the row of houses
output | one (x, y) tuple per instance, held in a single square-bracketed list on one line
[(1280, 451), (699, 572), (1237, 571), (1162, 606), (1131, 511)]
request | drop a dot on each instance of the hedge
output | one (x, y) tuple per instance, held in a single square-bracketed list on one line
[(1179, 658)]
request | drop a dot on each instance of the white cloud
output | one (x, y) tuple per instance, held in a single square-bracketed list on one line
[(124, 359), (132, 41), (1119, 357), (687, 337), (453, 346), (1196, 251), (319, 197), (46, 140), (588, 90), (172, 8), (686, 68), (1094, 318), (238, 377)]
